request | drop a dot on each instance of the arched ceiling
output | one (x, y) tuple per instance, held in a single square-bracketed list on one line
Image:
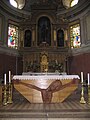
[(29, 3), (66, 3), (26, 4), (21, 3)]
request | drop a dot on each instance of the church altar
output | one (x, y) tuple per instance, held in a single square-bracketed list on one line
[(44, 76), (44, 73), (45, 88)]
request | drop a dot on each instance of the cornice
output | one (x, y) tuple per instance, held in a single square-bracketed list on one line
[(76, 10), (78, 51), (39, 50), (22, 14), (8, 51), (13, 12)]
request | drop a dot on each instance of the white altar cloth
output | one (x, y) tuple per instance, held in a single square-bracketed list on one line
[(44, 77)]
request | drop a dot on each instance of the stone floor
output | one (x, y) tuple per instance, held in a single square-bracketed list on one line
[(70, 109)]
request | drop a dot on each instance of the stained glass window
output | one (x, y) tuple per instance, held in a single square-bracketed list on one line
[(75, 36), (12, 36)]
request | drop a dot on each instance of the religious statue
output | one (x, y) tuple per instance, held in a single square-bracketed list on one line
[(44, 31)]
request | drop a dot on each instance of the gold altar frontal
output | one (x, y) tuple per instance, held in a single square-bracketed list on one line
[(45, 90)]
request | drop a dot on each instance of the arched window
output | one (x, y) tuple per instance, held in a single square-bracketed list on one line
[(13, 3), (60, 38), (17, 3), (27, 38), (73, 2), (44, 31)]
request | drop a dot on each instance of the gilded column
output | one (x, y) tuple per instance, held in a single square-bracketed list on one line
[(66, 38), (54, 36), (33, 37), (21, 44)]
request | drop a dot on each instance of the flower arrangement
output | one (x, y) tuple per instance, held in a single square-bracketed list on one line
[(56, 66)]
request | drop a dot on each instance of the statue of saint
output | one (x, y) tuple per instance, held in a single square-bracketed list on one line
[(44, 32)]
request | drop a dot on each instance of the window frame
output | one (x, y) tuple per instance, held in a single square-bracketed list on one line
[(72, 46), (16, 44)]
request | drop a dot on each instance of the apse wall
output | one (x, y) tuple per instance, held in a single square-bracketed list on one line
[(10, 63), (78, 58), (80, 63)]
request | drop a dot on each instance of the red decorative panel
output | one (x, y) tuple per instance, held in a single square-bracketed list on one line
[(79, 63), (10, 63)]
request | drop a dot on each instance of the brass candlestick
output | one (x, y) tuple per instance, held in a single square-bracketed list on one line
[(82, 95), (88, 94), (5, 95), (10, 93)]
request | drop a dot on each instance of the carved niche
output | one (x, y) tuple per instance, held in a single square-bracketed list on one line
[(44, 62)]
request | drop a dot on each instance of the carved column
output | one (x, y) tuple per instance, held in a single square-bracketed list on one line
[(51, 35), (66, 38), (33, 36), (54, 36), (21, 43)]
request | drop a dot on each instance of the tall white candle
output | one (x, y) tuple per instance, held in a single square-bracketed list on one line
[(9, 76), (82, 77), (88, 78), (4, 79)]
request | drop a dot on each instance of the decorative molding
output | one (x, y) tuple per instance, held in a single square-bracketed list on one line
[(74, 11), (78, 51), (49, 49), (8, 51)]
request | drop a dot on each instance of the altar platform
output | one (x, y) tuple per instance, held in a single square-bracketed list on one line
[(46, 88), (70, 109)]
